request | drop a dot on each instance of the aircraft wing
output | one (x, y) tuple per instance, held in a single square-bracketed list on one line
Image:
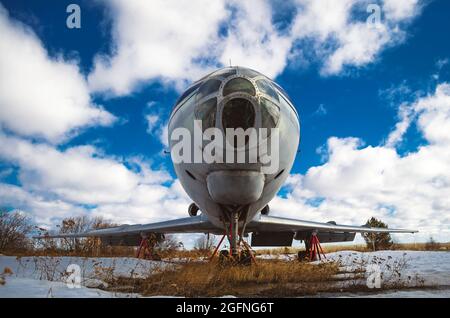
[(131, 233), (267, 230), (278, 231), (265, 223)]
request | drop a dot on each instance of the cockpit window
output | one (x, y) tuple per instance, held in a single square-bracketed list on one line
[(248, 72), (281, 90), (207, 88), (270, 114), (187, 93), (265, 87), (239, 84), (225, 72), (206, 112)]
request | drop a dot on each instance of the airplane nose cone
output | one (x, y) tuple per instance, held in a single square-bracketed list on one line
[(233, 187)]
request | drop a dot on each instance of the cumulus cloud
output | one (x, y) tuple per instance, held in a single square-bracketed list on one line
[(340, 40), (82, 180), (357, 181), (155, 40), (41, 96), (252, 40)]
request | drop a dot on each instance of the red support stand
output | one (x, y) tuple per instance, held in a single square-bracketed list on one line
[(217, 247), (145, 248), (316, 248)]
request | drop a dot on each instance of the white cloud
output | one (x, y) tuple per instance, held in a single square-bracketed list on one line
[(76, 174), (157, 39), (81, 175), (81, 180), (156, 127), (340, 40), (252, 40), (357, 182), (45, 211), (41, 96), (152, 121), (175, 41), (396, 136), (398, 10)]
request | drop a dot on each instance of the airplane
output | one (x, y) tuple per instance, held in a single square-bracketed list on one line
[(233, 197)]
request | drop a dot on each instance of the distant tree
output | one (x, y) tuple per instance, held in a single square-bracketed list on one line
[(169, 243), (377, 241), (432, 245), (14, 230), (77, 225), (205, 243)]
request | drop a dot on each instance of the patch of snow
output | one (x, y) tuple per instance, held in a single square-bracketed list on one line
[(431, 267), (37, 275), (17, 287)]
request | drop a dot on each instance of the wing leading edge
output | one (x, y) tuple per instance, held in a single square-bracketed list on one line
[(195, 224), (266, 223)]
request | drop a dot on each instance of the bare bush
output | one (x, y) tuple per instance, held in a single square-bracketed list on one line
[(205, 243), (14, 230), (85, 246), (432, 245)]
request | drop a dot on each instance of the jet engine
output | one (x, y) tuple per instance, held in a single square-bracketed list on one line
[(193, 209)]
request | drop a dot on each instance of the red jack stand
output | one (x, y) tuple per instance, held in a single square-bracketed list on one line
[(217, 248), (145, 248), (316, 248)]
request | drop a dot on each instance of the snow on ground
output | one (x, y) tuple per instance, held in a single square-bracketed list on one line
[(47, 276), (17, 287), (433, 268), (427, 270)]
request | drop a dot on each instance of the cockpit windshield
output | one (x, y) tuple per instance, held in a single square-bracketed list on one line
[(206, 112), (239, 84), (209, 87), (265, 87), (270, 113)]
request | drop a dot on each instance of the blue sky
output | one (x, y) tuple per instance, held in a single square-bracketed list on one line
[(366, 99)]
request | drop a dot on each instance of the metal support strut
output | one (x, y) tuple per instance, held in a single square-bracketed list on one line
[(315, 248), (234, 234)]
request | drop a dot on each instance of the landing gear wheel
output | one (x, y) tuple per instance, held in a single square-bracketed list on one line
[(303, 256), (245, 258), (224, 257)]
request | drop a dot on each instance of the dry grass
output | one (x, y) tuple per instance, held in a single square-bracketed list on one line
[(274, 278), (361, 248)]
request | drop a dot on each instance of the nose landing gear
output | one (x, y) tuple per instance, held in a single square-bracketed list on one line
[(236, 255)]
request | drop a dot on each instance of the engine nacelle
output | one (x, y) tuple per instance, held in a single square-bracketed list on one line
[(193, 209)]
